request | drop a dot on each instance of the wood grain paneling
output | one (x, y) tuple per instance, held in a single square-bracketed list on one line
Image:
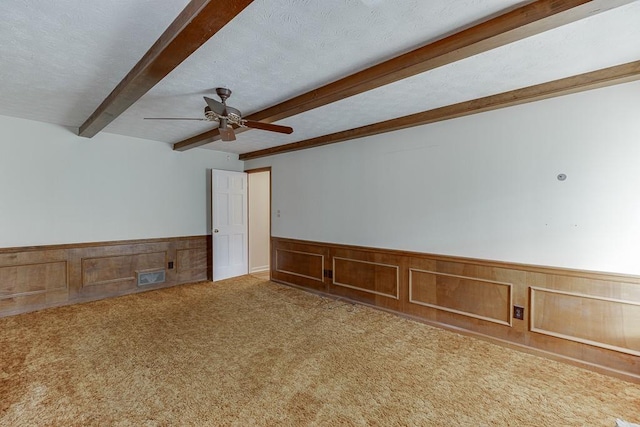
[(367, 276), (24, 256), (604, 322), (22, 303), (189, 264), (590, 319), (302, 264), (299, 264), (478, 298), (189, 259), (114, 269), (31, 279), (43, 276), (370, 277)]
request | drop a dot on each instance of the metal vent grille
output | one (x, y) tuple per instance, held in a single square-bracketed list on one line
[(151, 277)]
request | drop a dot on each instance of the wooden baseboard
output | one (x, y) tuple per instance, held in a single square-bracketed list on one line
[(37, 277), (584, 318)]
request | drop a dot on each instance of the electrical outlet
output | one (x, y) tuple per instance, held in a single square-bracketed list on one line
[(518, 312), (170, 265)]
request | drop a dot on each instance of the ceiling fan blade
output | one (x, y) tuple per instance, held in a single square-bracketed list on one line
[(227, 134), (217, 106), (172, 118), (267, 126)]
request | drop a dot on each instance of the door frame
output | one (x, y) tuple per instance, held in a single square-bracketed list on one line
[(249, 172)]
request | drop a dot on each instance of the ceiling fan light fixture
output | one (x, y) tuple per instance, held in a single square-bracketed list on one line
[(209, 114)]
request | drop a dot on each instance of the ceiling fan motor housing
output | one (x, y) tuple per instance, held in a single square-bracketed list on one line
[(223, 93)]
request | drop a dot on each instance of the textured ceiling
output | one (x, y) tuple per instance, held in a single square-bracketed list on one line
[(61, 59)]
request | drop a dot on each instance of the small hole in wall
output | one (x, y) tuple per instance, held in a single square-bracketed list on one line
[(561, 177)]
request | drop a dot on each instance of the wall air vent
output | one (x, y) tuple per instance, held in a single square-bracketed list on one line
[(150, 277)]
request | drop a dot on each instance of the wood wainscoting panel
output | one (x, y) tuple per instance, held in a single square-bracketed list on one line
[(367, 276), (590, 319), (107, 270), (32, 284), (298, 264), (609, 323), (468, 296), (26, 256), (30, 279), (37, 277), (370, 277), (568, 321), (120, 269), (191, 264), (189, 259), (23, 303)]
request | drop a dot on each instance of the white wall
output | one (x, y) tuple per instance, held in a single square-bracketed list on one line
[(59, 188), (259, 214), (481, 186)]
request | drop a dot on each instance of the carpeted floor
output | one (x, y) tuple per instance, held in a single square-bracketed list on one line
[(247, 352)]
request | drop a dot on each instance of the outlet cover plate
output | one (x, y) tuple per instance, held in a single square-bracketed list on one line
[(518, 312)]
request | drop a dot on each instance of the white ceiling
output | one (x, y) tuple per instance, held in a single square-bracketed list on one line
[(61, 59)]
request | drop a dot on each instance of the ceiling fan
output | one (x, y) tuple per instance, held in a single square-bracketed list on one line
[(225, 117)]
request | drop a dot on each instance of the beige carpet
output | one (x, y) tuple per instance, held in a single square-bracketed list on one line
[(248, 352)]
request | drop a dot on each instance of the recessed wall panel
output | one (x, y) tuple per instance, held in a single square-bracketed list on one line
[(299, 263), (367, 276), (45, 276), (187, 259), (609, 323), (468, 296), (32, 278), (97, 271)]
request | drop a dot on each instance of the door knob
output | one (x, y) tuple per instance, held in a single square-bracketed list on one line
[(216, 230)]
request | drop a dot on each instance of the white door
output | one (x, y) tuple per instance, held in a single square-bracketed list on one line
[(230, 233)]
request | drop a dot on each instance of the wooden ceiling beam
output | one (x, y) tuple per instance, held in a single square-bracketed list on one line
[(516, 24), (196, 24), (582, 82)]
